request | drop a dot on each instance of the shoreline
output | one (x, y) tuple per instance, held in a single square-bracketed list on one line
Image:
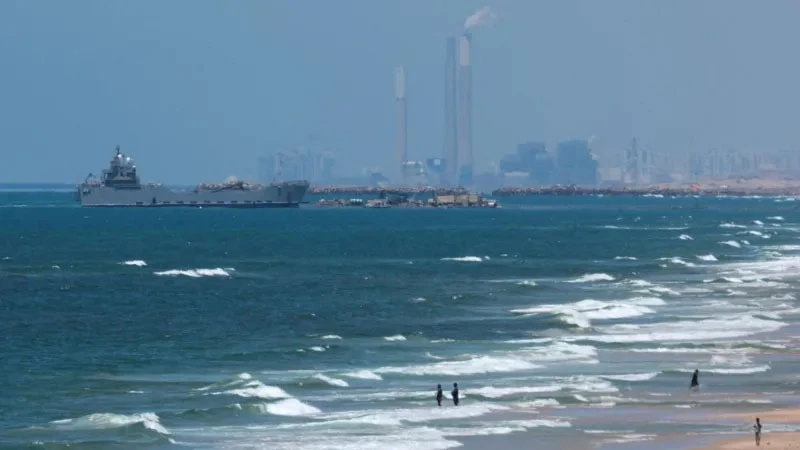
[(702, 189), (781, 431)]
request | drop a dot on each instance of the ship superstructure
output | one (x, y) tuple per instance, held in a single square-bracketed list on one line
[(119, 185)]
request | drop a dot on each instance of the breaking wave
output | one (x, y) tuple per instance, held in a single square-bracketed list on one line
[(134, 262), (196, 273), (464, 259), (592, 277)]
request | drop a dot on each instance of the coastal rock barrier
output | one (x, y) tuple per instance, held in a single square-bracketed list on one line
[(651, 191), (375, 190), (680, 191)]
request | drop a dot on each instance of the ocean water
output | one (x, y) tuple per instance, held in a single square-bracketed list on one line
[(330, 328)]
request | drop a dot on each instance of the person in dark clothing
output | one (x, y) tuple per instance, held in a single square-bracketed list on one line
[(695, 384), (455, 394), (439, 394), (757, 428)]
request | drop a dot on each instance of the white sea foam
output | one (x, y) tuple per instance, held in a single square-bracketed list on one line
[(196, 273), (317, 348), (731, 244), (557, 352), (592, 277), (331, 336), (758, 222), (731, 225), (550, 385), (775, 269), (464, 259), (732, 370), (539, 403), (400, 416), (135, 262), (238, 380), (256, 389), (100, 421), (708, 257), (500, 392), (630, 438), (396, 337), (707, 329), (331, 381), (677, 260), (583, 312), (784, 248), (778, 218), (625, 258), (291, 407), (685, 237), (631, 377), (472, 366), (735, 293), (517, 281), (506, 427), (363, 375)]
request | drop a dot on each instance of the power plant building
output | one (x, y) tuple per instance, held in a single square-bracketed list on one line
[(575, 163)]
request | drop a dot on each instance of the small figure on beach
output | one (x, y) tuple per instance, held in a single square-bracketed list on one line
[(757, 428), (439, 394), (695, 384), (455, 394)]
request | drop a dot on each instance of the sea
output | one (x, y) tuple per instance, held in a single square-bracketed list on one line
[(562, 319)]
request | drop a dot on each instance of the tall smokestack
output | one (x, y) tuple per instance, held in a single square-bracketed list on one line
[(450, 153), (401, 143), (465, 111)]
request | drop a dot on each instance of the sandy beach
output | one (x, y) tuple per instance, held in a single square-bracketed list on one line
[(777, 420), (776, 441)]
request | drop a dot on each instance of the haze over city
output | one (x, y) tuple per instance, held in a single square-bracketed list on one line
[(199, 91)]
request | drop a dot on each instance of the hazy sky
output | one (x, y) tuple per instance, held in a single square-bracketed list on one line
[(196, 90)]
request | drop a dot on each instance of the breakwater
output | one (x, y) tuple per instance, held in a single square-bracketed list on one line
[(651, 191), (669, 191), (375, 190)]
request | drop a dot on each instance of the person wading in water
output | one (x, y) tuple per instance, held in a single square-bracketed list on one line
[(695, 384)]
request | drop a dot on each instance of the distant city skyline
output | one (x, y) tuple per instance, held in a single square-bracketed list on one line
[(199, 91)]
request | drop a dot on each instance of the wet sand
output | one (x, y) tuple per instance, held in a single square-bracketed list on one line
[(773, 441), (657, 428), (777, 420)]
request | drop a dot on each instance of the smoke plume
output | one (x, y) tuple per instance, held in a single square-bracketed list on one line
[(483, 16)]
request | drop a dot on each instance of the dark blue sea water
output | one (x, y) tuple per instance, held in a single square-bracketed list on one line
[(330, 328)]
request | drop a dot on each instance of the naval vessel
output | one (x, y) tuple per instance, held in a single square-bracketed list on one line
[(119, 185)]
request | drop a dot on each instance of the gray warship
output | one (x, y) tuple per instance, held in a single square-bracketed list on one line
[(119, 186)]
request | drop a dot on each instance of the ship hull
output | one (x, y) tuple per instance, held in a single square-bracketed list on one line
[(278, 195)]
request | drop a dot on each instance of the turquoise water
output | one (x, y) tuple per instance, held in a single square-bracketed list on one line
[(330, 328)]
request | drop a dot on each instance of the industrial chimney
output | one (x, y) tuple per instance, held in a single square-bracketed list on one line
[(465, 111), (401, 145), (450, 153)]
